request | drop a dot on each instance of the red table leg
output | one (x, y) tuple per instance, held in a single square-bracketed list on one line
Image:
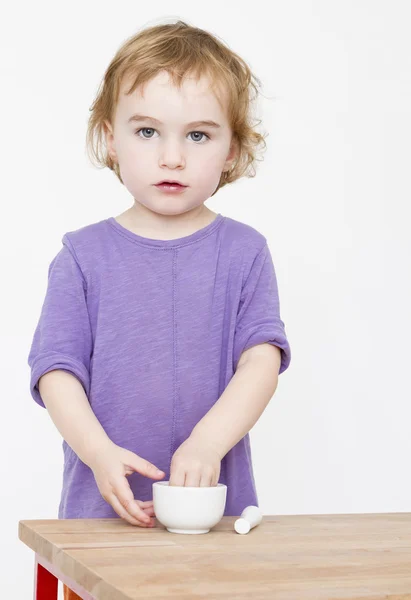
[(45, 583), (46, 578)]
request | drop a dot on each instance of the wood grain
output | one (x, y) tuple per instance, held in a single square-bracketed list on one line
[(288, 557)]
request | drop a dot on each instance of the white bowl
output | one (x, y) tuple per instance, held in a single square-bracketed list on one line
[(183, 509)]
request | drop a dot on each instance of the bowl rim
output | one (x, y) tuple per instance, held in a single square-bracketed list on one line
[(165, 484)]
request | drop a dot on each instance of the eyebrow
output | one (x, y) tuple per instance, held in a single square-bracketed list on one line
[(209, 123)]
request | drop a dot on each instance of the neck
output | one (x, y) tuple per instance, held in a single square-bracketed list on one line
[(147, 223)]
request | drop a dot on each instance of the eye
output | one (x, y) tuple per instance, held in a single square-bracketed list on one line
[(145, 129), (200, 133), (150, 129)]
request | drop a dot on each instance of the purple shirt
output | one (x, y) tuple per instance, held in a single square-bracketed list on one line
[(154, 329)]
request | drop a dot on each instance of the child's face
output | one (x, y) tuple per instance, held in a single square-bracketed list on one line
[(171, 150)]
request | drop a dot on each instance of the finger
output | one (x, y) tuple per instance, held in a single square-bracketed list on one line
[(147, 507), (147, 504), (143, 466), (121, 511), (193, 479), (149, 511), (177, 477), (206, 480), (125, 496)]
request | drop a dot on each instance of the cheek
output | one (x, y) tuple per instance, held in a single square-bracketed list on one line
[(214, 166), (212, 159), (135, 156)]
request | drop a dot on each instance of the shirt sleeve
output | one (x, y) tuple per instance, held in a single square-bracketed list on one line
[(62, 338), (258, 319)]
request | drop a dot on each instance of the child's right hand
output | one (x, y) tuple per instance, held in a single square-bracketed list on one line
[(110, 468)]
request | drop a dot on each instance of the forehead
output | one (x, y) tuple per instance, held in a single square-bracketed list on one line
[(161, 99)]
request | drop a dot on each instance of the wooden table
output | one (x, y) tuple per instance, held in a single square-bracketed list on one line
[(303, 557)]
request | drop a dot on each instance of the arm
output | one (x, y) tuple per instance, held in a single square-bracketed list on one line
[(260, 353), (60, 358), (243, 401), (66, 401), (70, 410)]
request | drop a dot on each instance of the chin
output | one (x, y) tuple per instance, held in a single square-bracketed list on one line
[(171, 207)]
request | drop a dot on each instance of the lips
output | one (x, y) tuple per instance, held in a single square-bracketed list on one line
[(165, 182)]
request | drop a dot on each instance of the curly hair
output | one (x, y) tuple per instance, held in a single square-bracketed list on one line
[(181, 50)]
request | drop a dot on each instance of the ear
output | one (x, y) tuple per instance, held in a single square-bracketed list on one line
[(108, 132), (232, 155)]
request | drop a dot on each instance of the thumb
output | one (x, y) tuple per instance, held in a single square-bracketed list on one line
[(143, 466)]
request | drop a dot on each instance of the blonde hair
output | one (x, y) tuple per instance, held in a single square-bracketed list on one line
[(181, 50)]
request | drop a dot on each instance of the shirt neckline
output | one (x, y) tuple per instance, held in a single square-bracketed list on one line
[(153, 242)]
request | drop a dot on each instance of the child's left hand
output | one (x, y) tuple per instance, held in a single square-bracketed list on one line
[(195, 463)]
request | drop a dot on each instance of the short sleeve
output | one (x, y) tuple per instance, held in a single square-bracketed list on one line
[(62, 338), (258, 319)]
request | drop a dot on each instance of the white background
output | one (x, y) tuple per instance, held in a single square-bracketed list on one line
[(332, 196)]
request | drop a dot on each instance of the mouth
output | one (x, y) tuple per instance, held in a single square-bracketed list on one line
[(170, 183)]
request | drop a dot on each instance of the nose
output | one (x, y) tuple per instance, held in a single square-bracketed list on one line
[(172, 155)]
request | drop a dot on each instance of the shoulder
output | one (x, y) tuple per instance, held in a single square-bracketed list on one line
[(84, 236), (249, 248), (86, 243), (244, 238)]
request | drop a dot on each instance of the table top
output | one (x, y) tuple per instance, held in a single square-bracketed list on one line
[(287, 557)]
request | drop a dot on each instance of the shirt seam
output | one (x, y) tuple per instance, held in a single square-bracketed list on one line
[(174, 288), (69, 244), (253, 263)]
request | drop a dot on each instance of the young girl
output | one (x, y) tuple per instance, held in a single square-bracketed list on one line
[(160, 341)]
